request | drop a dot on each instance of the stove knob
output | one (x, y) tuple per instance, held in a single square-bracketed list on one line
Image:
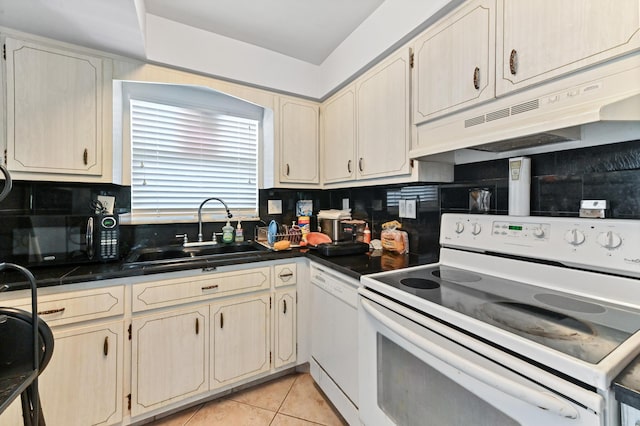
[(538, 232), (574, 237), (609, 240), (459, 227), (476, 228)]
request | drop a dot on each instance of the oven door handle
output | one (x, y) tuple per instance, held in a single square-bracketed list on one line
[(542, 400)]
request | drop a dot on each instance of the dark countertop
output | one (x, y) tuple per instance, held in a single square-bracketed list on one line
[(352, 265), (627, 385)]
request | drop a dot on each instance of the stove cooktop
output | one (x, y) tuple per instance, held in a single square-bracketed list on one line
[(585, 329)]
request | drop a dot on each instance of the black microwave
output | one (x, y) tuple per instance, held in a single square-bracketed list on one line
[(56, 240)]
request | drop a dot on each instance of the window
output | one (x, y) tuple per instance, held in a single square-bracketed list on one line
[(184, 154)]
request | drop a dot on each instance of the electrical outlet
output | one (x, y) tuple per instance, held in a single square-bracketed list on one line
[(402, 208), (274, 206), (345, 203), (410, 209), (108, 202)]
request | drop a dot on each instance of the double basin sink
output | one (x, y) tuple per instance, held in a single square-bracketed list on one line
[(170, 255)]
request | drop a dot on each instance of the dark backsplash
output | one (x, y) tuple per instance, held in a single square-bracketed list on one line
[(559, 181)]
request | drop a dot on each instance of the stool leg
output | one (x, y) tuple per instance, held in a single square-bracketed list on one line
[(26, 408)]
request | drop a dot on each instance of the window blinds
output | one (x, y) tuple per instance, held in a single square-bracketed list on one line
[(182, 155)]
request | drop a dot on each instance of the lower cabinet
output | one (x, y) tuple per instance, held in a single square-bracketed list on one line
[(239, 339), (82, 383), (285, 346), (169, 358)]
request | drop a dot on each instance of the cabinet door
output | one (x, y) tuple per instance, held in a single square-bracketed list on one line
[(54, 118), (299, 141), (454, 62), (542, 39), (338, 116), (239, 339), (169, 358), (82, 385), (383, 119), (285, 327)]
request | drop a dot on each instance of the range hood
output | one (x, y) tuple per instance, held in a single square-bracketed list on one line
[(593, 107)]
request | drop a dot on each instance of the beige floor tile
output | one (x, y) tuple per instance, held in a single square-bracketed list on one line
[(306, 402), (282, 420), (227, 412), (269, 395), (178, 419)]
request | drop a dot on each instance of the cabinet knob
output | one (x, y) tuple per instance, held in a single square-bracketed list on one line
[(476, 78), (105, 347), (85, 156), (513, 62)]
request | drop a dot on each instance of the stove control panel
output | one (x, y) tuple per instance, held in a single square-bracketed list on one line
[(608, 245)]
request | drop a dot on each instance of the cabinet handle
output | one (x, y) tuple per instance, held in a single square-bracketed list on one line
[(288, 170), (209, 287), (85, 157), (284, 310), (51, 311), (513, 62), (221, 320), (476, 78), (287, 275), (360, 166), (197, 326), (349, 166), (105, 347)]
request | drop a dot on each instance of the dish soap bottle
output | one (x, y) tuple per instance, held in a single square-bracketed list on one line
[(366, 238), (227, 233), (239, 233)]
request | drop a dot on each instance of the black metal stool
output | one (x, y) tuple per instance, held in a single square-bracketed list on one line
[(26, 346)]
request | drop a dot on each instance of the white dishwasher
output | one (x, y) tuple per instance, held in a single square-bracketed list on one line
[(334, 338)]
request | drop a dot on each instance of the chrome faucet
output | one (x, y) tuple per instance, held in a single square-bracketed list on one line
[(229, 215)]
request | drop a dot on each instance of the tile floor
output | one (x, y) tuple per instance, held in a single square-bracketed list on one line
[(292, 400)]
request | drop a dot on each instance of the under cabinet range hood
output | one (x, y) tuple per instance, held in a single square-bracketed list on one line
[(593, 107)]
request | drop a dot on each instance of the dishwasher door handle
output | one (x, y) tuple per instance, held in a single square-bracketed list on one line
[(490, 378)]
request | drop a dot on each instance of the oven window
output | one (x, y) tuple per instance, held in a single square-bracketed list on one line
[(411, 392)]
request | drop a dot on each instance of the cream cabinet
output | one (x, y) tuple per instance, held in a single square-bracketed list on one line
[(382, 99), (239, 339), (169, 357), (298, 148), (339, 137), (84, 380), (365, 126), (542, 39), (454, 62), (285, 322), (58, 113)]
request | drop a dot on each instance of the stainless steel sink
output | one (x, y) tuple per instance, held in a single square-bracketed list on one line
[(150, 256)]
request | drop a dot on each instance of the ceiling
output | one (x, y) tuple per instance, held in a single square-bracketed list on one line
[(303, 29)]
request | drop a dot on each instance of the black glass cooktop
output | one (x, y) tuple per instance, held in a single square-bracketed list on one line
[(585, 329)]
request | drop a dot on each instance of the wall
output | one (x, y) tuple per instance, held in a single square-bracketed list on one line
[(559, 181)]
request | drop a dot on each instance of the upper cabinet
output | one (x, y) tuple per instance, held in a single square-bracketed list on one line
[(366, 128), (58, 113), (298, 148), (541, 39), (454, 62), (338, 136), (382, 98)]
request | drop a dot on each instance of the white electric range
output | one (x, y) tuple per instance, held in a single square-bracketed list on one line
[(524, 320)]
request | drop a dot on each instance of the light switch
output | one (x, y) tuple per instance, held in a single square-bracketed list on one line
[(402, 208), (345, 203), (410, 209)]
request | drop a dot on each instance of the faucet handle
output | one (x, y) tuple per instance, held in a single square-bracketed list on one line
[(185, 237)]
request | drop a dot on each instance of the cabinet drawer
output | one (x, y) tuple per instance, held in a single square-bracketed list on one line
[(285, 274), (175, 291), (76, 306)]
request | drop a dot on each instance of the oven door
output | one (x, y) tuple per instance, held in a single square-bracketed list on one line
[(411, 375)]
